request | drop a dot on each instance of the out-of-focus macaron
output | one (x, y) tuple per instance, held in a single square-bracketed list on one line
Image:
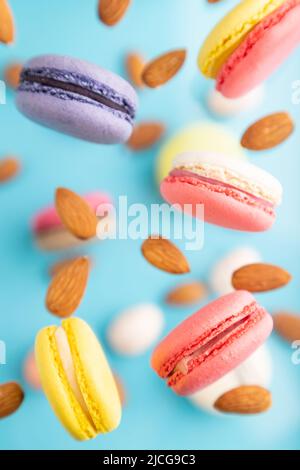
[(197, 137), (211, 343), (50, 234), (134, 330), (234, 193), (224, 107), (77, 379), (77, 98), (221, 274), (30, 371), (256, 370)]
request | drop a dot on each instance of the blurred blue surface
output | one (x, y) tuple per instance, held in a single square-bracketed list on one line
[(154, 418)]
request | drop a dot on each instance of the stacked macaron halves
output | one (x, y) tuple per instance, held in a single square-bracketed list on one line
[(249, 44), (235, 193)]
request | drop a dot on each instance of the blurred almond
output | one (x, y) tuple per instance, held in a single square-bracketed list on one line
[(162, 69), (7, 29), (134, 67), (59, 265), (287, 325), (120, 388), (247, 399), (260, 277), (112, 11), (145, 135), (12, 75), (11, 397), (164, 255), (268, 132), (75, 214), (9, 168), (186, 294), (67, 288)]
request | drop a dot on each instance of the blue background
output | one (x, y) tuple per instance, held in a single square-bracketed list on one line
[(154, 418)]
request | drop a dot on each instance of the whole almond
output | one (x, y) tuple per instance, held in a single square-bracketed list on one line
[(59, 265), (145, 135), (12, 75), (67, 288), (11, 397), (268, 132), (247, 399), (187, 294), (164, 255), (287, 325), (112, 11), (75, 214), (260, 277), (7, 29), (134, 66), (162, 69), (9, 168)]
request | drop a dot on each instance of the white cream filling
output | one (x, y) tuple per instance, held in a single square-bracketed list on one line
[(66, 358), (234, 172)]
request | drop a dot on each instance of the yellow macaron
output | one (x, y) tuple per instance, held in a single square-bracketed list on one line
[(197, 137), (77, 379), (231, 31)]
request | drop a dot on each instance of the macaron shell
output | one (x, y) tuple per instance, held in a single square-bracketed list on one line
[(57, 388), (220, 208), (57, 238), (197, 137), (232, 355), (231, 31), (94, 376), (262, 52), (93, 71), (81, 120)]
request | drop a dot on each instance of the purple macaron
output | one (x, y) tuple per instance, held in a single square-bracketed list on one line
[(77, 98)]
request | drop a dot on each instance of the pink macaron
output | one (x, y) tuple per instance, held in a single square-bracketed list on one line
[(49, 232), (212, 342), (233, 193), (263, 50)]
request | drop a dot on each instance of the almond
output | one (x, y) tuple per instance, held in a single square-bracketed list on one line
[(112, 11), (7, 29), (75, 214), (287, 325), (162, 69), (67, 288), (247, 399), (145, 135), (268, 132), (56, 267), (134, 67), (12, 75), (9, 168), (260, 277), (11, 397), (186, 294), (164, 255)]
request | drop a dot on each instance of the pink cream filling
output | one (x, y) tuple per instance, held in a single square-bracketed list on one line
[(219, 186), (257, 33), (211, 343)]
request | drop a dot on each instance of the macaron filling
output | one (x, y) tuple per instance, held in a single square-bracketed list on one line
[(66, 85), (66, 358), (212, 342)]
